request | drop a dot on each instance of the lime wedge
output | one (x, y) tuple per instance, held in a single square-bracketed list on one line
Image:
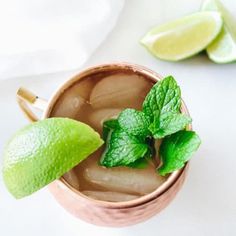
[(184, 37), (228, 17), (223, 48), (43, 151)]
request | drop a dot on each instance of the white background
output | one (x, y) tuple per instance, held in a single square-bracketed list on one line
[(206, 204)]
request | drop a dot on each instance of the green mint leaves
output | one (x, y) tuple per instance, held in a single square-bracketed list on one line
[(162, 106), (129, 138), (126, 140), (165, 96), (122, 149), (134, 122), (177, 149), (168, 123)]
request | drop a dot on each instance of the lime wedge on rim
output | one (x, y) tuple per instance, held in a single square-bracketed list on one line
[(45, 150), (183, 37), (223, 48)]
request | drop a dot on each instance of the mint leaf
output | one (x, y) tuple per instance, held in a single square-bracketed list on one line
[(122, 149), (141, 163), (165, 96), (177, 149), (134, 122), (144, 161), (168, 123), (109, 125), (162, 105)]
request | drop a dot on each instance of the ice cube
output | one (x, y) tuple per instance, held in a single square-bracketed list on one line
[(109, 196), (123, 179), (73, 99), (72, 179), (83, 88), (97, 117), (68, 105), (120, 91)]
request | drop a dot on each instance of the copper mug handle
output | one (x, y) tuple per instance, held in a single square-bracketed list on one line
[(26, 100)]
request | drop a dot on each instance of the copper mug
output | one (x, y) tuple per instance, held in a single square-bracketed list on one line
[(116, 214)]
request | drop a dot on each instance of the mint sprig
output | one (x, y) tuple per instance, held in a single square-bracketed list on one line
[(129, 137)]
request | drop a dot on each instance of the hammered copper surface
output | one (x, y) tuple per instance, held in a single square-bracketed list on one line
[(113, 216)]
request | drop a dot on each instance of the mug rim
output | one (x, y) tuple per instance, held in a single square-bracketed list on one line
[(172, 178)]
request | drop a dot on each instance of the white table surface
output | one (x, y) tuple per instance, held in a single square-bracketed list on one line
[(206, 204)]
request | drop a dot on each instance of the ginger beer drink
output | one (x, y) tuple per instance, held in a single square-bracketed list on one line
[(94, 100)]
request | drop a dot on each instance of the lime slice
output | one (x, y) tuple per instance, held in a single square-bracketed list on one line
[(223, 48), (43, 151), (228, 17), (184, 37)]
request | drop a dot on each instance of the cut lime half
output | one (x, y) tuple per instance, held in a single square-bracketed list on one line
[(184, 37), (223, 48), (45, 150)]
